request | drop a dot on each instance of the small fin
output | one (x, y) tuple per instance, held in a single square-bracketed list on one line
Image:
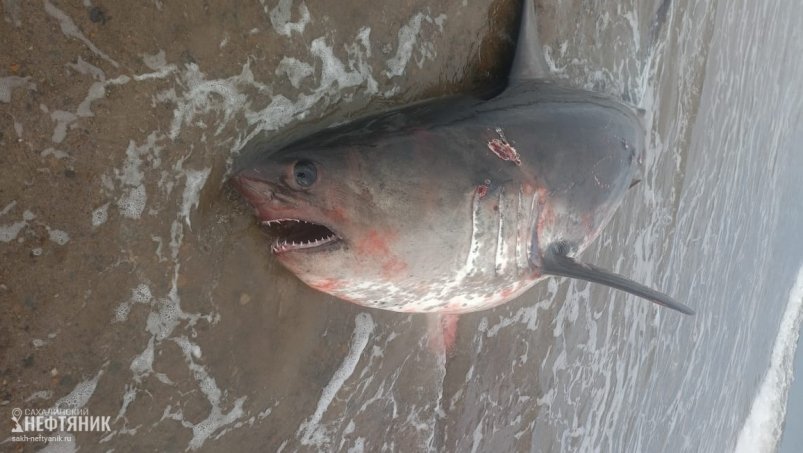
[(634, 183), (529, 62), (442, 333), (562, 265)]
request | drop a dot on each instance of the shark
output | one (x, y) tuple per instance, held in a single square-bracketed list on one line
[(456, 204)]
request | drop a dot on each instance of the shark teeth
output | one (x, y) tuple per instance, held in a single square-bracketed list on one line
[(280, 221), (284, 246), (297, 234)]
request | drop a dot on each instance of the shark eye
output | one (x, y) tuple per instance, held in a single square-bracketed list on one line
[(305, 173)]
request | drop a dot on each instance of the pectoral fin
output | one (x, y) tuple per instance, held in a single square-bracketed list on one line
[(560, 264)]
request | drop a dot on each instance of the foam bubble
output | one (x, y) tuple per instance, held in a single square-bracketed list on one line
[(121, 313), (311, 432), (62, 119), (80, 394), (134, 198), (131, 174), (198, 97), (192, 190), (100, 215), (295, 70), (57, 153), (160, 74), (8, 84), (407, 40), (358, 447), (216, 418), (133, 201), (85, 68), (155, 61), (40, 395), (280, 17), (333, 71), (141, 294), (9, 232), (8, 208), (98, 91), (143, 363), (764, 425), (161, 324), (71, 30), (58, 236), (230, 96)]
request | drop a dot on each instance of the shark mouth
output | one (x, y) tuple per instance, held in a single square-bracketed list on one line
[(296, 234)]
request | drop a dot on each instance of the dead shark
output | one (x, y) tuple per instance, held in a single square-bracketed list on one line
[(456, 204)]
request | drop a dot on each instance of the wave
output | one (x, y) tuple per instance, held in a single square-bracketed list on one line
[(764, 425)]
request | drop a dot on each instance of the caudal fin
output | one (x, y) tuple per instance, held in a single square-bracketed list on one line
[(556, 263)]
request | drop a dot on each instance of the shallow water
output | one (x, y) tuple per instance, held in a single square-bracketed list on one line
[(135, 281)]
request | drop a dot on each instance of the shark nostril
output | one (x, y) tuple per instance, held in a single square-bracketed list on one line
[(256, 192)]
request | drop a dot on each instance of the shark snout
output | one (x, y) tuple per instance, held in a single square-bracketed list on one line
[(253, 188), (267, 200)]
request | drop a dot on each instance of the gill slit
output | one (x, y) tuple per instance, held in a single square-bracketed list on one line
[(520, 255), (533, 222), (499, 258), (473, 248)]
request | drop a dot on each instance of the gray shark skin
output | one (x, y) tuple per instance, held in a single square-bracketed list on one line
[(458, 204)]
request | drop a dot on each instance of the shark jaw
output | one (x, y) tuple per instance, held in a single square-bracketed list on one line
[(297, 234)]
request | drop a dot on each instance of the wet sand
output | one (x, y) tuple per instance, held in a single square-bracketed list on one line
[(133, 275)]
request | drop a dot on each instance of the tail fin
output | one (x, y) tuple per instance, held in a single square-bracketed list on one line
[(556, 263)]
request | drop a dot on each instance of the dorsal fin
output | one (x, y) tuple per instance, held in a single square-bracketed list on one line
[(529, 62), (557, 263)]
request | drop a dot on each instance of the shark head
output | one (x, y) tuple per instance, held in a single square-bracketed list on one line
[(394, 225)]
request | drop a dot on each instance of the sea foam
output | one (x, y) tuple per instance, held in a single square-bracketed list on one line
[(764, 425)]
